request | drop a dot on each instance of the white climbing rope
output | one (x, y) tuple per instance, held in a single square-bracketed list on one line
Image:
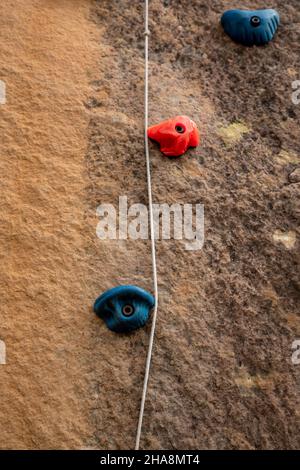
[(154, 315)]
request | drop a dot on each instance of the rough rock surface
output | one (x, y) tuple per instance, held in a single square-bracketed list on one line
[(72, 138)]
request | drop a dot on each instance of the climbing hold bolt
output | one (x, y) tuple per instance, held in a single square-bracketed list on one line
[(175, 135), (124, 308), (251, 27)]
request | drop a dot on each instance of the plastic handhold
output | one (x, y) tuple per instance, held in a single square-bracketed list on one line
[(251, 27), (124, 308), (175, 135)]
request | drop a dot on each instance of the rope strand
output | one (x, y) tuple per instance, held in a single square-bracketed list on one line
[(153, 252)]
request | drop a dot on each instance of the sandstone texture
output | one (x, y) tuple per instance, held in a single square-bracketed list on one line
[(222, 376)]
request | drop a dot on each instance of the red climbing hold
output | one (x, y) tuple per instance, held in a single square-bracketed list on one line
[(175, 135)]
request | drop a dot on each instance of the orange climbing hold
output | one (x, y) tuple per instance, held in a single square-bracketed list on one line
[(175, 135)]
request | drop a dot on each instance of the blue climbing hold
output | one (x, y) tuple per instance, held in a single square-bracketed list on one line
[(124, 308), (251, 27)]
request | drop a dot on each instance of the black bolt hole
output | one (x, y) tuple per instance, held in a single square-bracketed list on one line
[(180, 128), (255, 21), (128, 310)]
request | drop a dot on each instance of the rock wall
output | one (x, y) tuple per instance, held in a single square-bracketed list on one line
[(222, 375)]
